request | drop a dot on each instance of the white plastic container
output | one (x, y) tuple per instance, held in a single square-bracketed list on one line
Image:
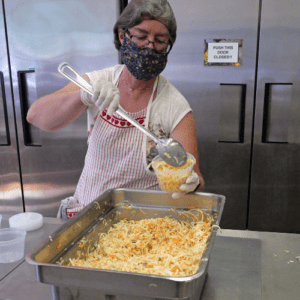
[(12, 243), (28, 221), (171, 178)]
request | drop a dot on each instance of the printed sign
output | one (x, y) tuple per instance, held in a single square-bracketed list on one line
[(222, 52)]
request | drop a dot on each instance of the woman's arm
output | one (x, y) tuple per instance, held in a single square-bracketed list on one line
[(185, 134), (57, 110)]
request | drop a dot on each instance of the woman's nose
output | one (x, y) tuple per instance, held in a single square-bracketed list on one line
[(151, 45)]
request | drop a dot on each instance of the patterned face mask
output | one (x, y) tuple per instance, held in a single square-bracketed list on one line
[(142, 63)]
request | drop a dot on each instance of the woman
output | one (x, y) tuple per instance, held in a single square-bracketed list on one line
[(118, 153)]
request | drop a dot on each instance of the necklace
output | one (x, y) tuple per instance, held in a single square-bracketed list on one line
[(132, 88), (126, 83)]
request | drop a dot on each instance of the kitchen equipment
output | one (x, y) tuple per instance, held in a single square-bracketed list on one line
[(171, 151), (37, 168), (28, 221), (111, 207), (12, 242), (247, 115)]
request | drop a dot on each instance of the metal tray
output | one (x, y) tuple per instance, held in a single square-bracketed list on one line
[(114, 205)]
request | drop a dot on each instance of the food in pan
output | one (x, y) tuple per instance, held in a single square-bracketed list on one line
[(171, 178), (162, 246)]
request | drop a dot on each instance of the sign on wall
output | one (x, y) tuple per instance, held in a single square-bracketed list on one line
[(223, 52)]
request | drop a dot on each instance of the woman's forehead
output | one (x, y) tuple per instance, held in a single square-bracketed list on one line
[(152, 26)]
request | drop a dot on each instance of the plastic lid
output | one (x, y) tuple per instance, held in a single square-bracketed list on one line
[(28, 221)]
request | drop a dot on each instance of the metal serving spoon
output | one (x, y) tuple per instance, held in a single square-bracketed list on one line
[(171, 151)]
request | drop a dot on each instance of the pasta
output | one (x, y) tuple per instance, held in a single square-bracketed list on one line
[(162, 246), (171, 178)]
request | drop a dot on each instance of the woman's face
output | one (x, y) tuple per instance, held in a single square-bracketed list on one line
[(151, 30)]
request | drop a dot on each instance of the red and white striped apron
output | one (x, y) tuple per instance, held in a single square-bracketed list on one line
[(115, 158)]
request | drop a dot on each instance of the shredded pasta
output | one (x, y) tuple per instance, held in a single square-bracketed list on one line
[(161, 165), (170, 177), (162, 246)]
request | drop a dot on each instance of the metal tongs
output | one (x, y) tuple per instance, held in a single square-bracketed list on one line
[(171, 151)]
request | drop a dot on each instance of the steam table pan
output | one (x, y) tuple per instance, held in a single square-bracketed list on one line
[(70, 282)]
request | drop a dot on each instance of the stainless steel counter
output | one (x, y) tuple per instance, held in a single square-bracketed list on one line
[(33, 239), (243, 265)]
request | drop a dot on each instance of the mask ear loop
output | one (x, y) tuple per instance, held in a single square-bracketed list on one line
[(124, 33), (125, 37)]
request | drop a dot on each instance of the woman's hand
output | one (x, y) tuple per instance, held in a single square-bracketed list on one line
[(191, 184), (106, 96)]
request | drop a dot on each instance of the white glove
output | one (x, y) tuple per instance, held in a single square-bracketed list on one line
[(65, 204), (189, 186), (106, 96)]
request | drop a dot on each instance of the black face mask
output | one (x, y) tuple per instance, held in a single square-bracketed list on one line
[(142, 63)]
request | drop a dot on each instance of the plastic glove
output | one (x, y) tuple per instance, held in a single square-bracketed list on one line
[(190, 185), (65, 204), (106, 96)]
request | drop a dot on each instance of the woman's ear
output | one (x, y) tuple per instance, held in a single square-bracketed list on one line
[(121, 35)]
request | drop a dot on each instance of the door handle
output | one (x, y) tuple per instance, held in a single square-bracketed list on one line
[(4, 128), (232, 117), (277, 103), (27, 92)]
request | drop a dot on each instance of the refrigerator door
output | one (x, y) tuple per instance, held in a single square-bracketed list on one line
[(275, 189), (221, 96), (42, 34), (10, 185)]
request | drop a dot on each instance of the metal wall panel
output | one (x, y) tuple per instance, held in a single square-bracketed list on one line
[(42, 34), (275, 189), (10, 185), (225, 166)]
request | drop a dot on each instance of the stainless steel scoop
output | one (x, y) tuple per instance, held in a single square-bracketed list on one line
[(171, 151)]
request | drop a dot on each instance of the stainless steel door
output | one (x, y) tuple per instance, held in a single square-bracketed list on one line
[(275, 189), (42, 34), (10, 185), (221, 96)]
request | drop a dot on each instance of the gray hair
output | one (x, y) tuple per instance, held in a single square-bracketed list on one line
[(136, 9)]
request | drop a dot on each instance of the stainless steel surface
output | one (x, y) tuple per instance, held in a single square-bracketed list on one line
[(4, 133), (242, 266), (27, 94), (10, 185), (279, 266), (32, 240), (232, 115), (225, 166), (277, 103), (41, 34), (69, 72), (270, 33), (274, 183), (171, 151), (98, 217)]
